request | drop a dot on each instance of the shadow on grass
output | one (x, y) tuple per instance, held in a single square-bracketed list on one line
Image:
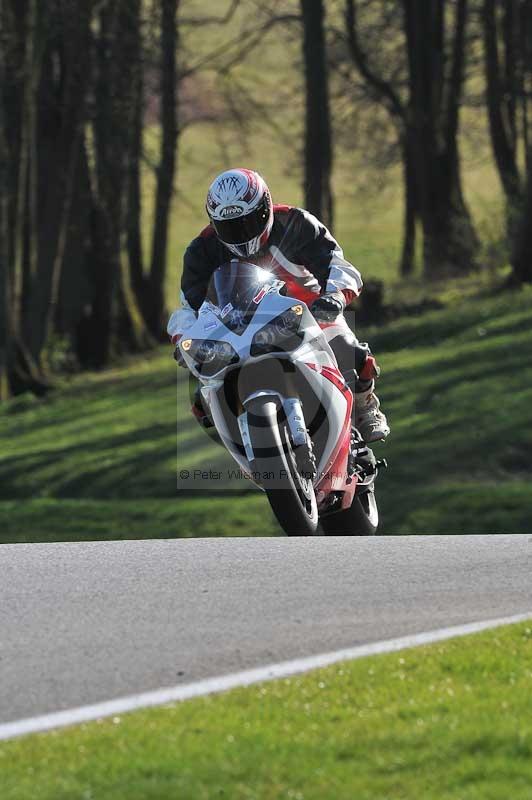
[(495, 317), (466, 417), (92, 401), (142, 462)]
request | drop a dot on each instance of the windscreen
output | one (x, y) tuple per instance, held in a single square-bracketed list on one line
[(237, 289)]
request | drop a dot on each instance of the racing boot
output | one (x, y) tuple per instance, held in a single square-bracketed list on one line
[(369, 419)]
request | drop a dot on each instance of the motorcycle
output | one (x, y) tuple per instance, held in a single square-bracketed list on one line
[(281, 407)]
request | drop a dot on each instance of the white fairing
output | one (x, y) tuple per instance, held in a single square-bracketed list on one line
[(314, 350)]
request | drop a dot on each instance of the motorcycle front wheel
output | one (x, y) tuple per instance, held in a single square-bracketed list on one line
[(290, 494)]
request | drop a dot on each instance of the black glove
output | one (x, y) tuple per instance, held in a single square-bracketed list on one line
[(328, 307)]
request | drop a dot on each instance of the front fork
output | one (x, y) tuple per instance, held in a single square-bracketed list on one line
[(293, 411)]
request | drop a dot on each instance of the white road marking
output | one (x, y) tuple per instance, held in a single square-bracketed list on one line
[(284, 669)]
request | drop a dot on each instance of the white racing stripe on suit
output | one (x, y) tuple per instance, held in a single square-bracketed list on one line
[(343, 275)]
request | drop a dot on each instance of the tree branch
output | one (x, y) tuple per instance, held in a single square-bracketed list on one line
[(222, 20), (247, 38), (383, 89)]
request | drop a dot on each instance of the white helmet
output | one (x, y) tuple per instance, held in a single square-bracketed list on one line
[(239, 205)]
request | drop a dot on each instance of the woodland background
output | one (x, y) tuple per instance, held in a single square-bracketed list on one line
[(405, 125)]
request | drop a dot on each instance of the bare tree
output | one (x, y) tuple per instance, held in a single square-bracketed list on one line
[(318, 137), (421, 88), (436, 87), (522, 254), (167, 167), (73, 88), (117, 322), (503, 86), (60, 117), (508, 69), (21, 45), (5, 288), (389, 89)]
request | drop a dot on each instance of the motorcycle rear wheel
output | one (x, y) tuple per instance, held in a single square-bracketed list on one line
[(361, 519), (290, 494)]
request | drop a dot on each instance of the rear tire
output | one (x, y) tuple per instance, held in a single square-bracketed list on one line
[(361, 519), (291, 495)]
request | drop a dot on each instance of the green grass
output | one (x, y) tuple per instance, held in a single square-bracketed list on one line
[(457, 385), (451, 721), (98, 458), (54, 520)]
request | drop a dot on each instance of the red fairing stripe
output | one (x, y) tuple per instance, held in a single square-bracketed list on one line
[(335, 475), (336, 377)]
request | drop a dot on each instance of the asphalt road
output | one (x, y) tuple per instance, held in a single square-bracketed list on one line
[(84, 623)]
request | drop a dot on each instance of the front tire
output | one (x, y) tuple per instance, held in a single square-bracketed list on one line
[(290, 494)]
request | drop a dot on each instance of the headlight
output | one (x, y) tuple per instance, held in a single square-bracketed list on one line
[(209, 356), (281, 335)]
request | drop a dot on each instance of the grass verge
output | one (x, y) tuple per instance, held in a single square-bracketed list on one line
[(53, 520), (450, 721)]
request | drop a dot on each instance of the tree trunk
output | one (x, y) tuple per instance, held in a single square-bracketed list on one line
[(6, 337), (74, 297), (501, 103), (166, 172), (134, 206), (60, 113), (64, 197), (408, 253), (449, 240), (19, 73), (389, 96), (522, 256), (116, 323), (318, 135)]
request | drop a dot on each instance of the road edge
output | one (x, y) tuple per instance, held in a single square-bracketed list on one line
[(223, 683)]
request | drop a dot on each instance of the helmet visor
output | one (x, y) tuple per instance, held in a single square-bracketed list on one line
[(243, 229)]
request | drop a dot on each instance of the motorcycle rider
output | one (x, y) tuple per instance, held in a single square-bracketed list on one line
[(295, 246)]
